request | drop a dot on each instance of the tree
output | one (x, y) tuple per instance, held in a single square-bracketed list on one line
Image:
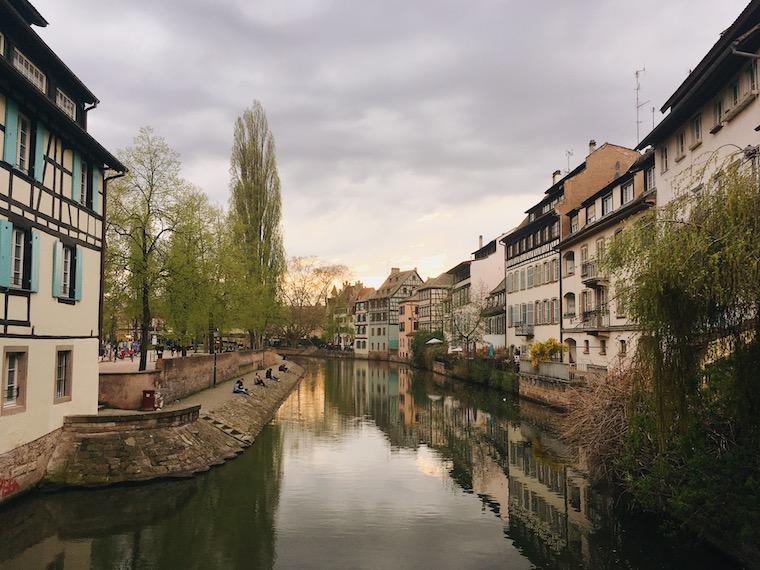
[(142, 216), (195, 281), (304, 293), (255, 208), (467, 320)]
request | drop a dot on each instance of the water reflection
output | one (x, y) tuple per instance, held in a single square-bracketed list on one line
[(366, 465)]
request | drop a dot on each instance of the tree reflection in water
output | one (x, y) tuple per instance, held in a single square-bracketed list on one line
[(355, 440)]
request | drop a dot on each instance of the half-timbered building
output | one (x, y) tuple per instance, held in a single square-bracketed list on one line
[(53, 177)]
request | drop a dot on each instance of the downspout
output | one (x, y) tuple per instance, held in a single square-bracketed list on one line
[(106, 180)]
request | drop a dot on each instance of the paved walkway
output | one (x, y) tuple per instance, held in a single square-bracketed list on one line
[(128, 365), (211, 398)]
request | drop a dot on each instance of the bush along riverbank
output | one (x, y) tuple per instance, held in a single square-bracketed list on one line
[(679, 426)]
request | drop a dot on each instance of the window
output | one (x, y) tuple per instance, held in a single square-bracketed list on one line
[(569, 263), (509, 251), (66, 104), (602, 346), (530, 276), (584, 254), (2, 45), (590, 213), (22, 144), (718, 111), (547, 312), (750, 74), (14, 380), (623, 347), (67, 272), (664, 159), (585, 347), (569, 305), (63, 376), (649, 179), (530, 241), (696, 130), (680, 145), (555, 230), (85, 196), (555, 311), (29, 70), (522, 279), (574, 224), (555, 269), (734, 93), (626, 192), (606, 204), (18, 256)]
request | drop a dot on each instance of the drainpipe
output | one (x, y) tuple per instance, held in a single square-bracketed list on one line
[(106, 180)]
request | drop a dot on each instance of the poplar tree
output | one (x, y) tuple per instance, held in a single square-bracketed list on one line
[(256, 211)]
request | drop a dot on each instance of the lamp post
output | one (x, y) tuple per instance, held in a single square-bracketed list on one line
[(216, 335)]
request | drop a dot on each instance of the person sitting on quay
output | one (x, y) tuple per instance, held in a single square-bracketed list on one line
[(239, 388), (282, 368), (271, 376), (258, 381)]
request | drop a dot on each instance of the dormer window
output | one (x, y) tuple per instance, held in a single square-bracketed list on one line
[(574, 224), (606, 204), (626, 192), (66, 104), (29, 70), (680, 145)]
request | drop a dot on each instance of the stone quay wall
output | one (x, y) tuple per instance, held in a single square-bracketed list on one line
[(548, 391), (101, 450), (22, 468), (176, 378)]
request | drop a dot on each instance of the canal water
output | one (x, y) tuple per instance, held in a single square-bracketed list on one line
[(366, 465)]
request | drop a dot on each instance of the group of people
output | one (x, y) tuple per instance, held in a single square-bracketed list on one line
[(239, 387), (111, 351)]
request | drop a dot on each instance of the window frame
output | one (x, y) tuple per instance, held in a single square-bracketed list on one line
[(25, 154), (68, 289), (58, 397), (664, 166), (62, 100), (20, 379), (607, 204), (27, 68), (625, 197)]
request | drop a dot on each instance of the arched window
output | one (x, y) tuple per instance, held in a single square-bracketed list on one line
[(569, 262), (569, 304)]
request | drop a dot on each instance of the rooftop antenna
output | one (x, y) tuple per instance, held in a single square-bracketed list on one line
[(639, 103), (568, 154)]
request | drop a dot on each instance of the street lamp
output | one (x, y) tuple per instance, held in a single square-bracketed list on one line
[(216, 336)]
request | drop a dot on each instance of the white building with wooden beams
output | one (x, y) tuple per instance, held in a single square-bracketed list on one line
[(53, 178)]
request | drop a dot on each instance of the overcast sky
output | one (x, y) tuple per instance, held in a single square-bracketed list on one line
[(404, 129)]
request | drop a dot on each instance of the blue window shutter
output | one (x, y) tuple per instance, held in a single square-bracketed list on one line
[(97, 186), (34, 279), (6, 239), (57, 261), (11, 132), (76, 176), (39, 152), (79, 256)]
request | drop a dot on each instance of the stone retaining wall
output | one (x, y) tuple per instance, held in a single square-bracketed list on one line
[(23, 468), (108, 449), (177, 378), (545, 390)]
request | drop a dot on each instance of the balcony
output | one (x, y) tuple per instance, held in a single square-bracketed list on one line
[(591, 275), (596, 321), (524, 330)]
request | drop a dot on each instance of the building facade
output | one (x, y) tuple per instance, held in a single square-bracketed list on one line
[(383, 311), (532, 255), (360, 312), (495, 316), (408, 323), (53, 177), (595, 328), (712, 117), (434, 297)]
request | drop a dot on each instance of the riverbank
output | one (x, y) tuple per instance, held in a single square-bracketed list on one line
[(480, 373), (206, 429)]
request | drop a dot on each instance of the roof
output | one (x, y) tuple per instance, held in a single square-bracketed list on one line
[(414, 297), (29, 13), (365, 294), (443, 281), (502, 286), (715, 68), (20, 11), (646, 159), (11, 79), (393, 283)]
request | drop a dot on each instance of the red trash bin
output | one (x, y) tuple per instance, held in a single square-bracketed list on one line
[(149, 400)]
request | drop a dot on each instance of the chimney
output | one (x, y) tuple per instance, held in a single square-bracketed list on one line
[(591, 146), (394, 270), (480, 242), (556, 175)]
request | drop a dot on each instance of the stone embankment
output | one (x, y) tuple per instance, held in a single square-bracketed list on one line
[(205, 430)]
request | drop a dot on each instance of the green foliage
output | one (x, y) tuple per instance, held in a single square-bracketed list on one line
[(690, 279), (423, 354)]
